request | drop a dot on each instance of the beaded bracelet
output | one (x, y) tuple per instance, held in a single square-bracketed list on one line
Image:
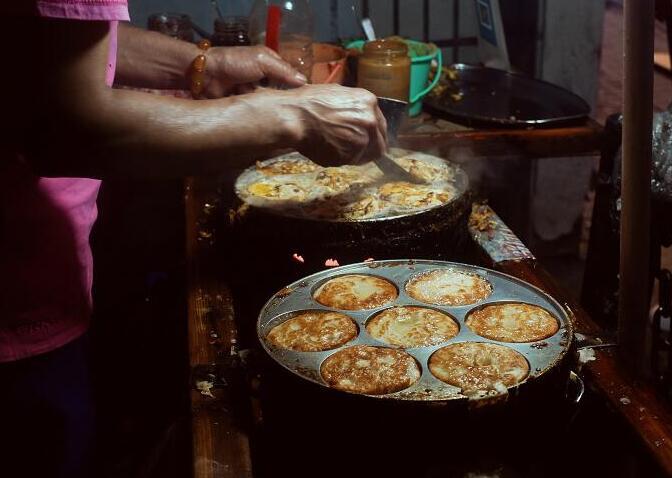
[(197, 76)]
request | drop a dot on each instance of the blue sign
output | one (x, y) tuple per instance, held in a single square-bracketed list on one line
[(486, 21)]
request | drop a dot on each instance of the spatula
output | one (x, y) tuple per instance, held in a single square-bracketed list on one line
[(394, 112)]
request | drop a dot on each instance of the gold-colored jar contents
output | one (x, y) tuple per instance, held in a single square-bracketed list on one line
[(384, 68)]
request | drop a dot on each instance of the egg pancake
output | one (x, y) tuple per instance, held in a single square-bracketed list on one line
[(479, 369), (411, 326), (313, 331), (424, 170), (401, 193), (361, 209), (289, 164), (356, 292), (513, 323), (340, 179), (370, 370), (448, 287), (277, 190)]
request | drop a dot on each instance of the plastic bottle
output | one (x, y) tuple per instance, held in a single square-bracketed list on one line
[(286, 27)]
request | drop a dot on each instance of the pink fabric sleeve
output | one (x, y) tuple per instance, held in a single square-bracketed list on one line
[(84, 9)]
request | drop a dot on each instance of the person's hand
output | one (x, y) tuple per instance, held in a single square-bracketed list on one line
[(238, 69), (338, 124)]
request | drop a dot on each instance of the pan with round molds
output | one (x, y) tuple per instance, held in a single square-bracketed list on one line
[(407, 348)]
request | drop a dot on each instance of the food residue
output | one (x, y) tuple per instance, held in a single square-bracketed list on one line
[(205, 387), (331, 263)]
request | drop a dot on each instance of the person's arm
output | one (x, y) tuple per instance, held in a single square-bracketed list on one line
[(152, 60), (80, 127)]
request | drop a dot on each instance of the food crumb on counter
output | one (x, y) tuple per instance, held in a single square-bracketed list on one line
[(586, 355), (625, 400), (205, 387), (331, 263)]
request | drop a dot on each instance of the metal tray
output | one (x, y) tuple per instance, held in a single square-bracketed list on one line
[(542, 355), (492, 97)]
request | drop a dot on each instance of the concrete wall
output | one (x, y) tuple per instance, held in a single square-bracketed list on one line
[(570, 46)]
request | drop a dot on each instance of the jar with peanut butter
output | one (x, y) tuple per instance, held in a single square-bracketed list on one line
[(384, 68)]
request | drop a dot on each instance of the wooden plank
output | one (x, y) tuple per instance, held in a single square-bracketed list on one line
[(220, 445)]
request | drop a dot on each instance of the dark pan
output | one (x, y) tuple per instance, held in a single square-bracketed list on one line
[(498, 98)]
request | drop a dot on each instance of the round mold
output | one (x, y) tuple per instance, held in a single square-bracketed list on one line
[(317, 289), (440, 315), (504, 303), (330, 345), (482, 283), (366, 370), (513, 355)]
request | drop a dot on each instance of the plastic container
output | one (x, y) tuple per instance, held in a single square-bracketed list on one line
[(421, 55), (384, 68), (286, 27)]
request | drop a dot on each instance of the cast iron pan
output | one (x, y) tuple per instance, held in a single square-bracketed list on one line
[(498, 98)]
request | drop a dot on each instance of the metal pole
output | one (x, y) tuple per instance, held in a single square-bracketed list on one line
[(636, 183)]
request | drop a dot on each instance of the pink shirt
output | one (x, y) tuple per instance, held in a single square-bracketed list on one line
[(46, 268)]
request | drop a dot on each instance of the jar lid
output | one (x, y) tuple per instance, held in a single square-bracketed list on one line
[(385, 47)]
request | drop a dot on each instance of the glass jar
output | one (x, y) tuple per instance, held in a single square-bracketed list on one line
[(384, 68), (231, 31), (287, 27), (176, 25)]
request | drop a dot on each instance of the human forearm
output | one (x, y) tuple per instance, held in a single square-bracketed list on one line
[(152, 60), (73, 125), (145, 135)]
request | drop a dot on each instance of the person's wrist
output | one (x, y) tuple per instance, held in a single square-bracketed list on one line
[(289, 116)]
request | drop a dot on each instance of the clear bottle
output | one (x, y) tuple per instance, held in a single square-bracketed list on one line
[(287, 27)]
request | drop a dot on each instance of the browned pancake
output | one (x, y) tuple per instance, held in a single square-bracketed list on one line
[(370, 370), (339, 179), (479, 369), (313, 331), (295, 164), (405, 194), (513, 322), (411, 326), (356, 292), (273, 190), (448, 287)]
